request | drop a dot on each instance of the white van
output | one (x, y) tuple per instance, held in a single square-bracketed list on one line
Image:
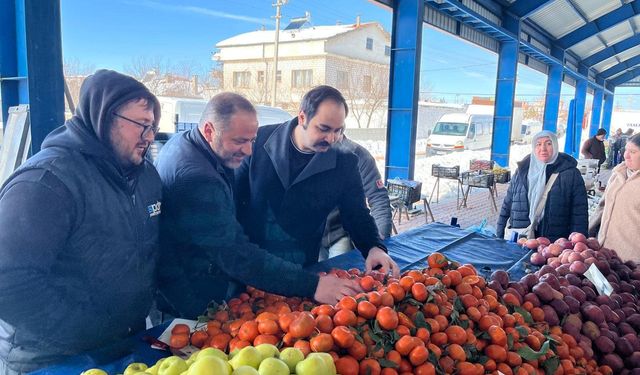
[(460, 131)]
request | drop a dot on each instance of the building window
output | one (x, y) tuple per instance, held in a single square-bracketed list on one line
[(342, 81), (302, 78), (366, 83), (241, 79), (387, 51), (369, 43), (279, 76), (261, 76)]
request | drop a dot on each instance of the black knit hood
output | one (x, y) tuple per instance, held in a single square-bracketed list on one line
[(100, 95)]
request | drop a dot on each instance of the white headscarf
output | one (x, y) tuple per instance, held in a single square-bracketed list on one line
[(537, 175)]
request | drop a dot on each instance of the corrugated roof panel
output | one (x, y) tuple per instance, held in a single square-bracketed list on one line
[(484, 12), (617, 33), (437, 19), (593, 9), (588, 47), (478, 38), (631, 52), (635, 21), (558, 18), (606, 64)]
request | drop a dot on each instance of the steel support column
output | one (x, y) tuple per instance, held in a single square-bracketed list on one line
[(31, 63), (406, 40), (552, 97), (596, 112), (579, 103), (607, 111), (505, 93)]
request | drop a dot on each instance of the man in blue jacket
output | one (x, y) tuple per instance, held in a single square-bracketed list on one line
[(295, 178), (205, 253), (79, 232)]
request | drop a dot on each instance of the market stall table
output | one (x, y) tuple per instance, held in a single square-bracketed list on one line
[(409, 249)]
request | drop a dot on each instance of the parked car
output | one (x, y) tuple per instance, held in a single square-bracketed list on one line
[(460, 131)]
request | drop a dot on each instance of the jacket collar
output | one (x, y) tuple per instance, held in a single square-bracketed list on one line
[(277, 147), (621, 171)]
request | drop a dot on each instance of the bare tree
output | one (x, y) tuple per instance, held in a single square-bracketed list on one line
[(74, 73), (367, 91)]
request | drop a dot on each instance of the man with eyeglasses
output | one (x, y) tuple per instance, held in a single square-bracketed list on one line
[(79, 226), (205, 254), (295, 178)]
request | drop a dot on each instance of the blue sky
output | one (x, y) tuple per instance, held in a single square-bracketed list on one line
[(111, 33)]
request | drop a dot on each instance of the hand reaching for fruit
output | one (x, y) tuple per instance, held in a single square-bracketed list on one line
[(377, 257), (332, 288)]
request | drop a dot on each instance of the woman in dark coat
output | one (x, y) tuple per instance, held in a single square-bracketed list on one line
[(565, 209)]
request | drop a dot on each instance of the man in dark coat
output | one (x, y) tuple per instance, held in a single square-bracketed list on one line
[(294, 179), (565, 209), (79, 228), (204, 249), (336, 239), (593, 148)]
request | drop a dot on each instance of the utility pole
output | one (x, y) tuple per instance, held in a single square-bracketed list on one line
[(274, 76)]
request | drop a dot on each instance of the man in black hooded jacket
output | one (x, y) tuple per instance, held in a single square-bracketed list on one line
[(79, 226)]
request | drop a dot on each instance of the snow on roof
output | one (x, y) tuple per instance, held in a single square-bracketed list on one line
[(309, 33)]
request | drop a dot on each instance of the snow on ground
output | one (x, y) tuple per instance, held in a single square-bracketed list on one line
[(424, 163)]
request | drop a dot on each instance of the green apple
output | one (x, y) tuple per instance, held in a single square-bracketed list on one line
[(153, 370), (234, 352), (247, 356), (211, 352), (312, 365), (173, 365), (328, 361), (245, 370), (135, 367), (291, 356), (94, 371), (273, 366), (209, 365), (268, 350)]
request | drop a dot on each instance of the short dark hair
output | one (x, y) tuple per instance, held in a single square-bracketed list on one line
[(312, 100), (635, 139), (629, 131), (222, 107), (601, 131)]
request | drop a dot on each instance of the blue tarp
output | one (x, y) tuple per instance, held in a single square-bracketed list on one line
[(409, 249)]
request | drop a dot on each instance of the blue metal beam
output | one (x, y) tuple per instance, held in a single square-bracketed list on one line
[(600, 24), (524, 8), (607, 112), (627, 76), (613, 50), (621, 67), (505, 94), (596, 112), (406, 42), (579, 104), (552, 97), (31, 63)]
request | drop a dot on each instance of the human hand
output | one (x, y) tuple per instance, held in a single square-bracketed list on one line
[(332, 288), (377, 257)]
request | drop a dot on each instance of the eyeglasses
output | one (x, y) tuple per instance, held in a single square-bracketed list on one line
[(146, 128)]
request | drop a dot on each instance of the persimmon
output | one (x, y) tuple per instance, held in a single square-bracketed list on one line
[(456, 335), (342, 336), (367, 283), (405, 344), (347, 365), (498, 335), (323, 342), (304, 346), (426, 368), (347, 302), (357, 350), (367, 309), (179, 340), (344, 317), (456, 352), (418, 355), (437, 260), (199, 338), (419, 292), (220, 341), (180, 329), (387, 318), (302, 326), (370, 366)]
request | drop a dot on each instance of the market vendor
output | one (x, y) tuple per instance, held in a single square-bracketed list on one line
[(79, 232), (295, 178), (547, 196), (204, 249), (616, 222)]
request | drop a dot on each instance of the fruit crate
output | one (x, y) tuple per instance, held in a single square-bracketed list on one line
[(481, 165), (445, 172), (478, 179), (502, 177), (408, 191)]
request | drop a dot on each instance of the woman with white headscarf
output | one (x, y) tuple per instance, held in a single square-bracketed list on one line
[(546, 190)]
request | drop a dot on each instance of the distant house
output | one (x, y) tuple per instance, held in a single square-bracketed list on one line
[(353, 58)]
